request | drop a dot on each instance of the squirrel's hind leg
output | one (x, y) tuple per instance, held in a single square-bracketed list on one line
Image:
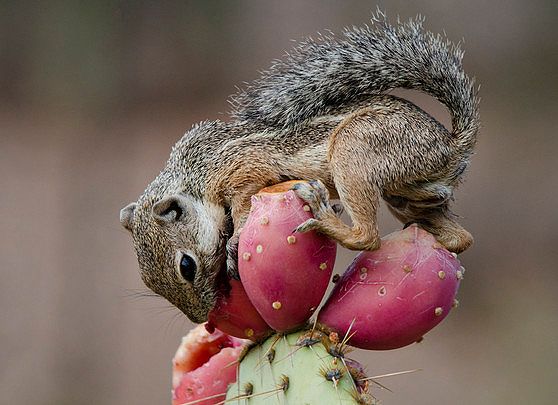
[(438, 220), (359, 169)]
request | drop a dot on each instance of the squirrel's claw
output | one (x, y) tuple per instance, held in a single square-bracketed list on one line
[(315, 194), (307, 225)]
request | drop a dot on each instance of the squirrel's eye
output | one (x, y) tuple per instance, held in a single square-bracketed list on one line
[(187, 268)]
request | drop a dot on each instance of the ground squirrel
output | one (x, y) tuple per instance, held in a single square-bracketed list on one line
[(319, 114)]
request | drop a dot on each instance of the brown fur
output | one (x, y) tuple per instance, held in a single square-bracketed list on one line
[(333, 126)]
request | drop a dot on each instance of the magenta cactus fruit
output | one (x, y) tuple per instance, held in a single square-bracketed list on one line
[(285, 274), (391, 297), (204, 366), (235, 315)]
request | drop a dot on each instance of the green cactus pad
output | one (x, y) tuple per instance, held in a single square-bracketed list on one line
[(281, 372)]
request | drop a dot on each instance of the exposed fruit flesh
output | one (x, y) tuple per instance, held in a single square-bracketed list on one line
[(204, 365)]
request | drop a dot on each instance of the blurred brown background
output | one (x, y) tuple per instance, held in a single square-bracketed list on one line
[(94, 94)]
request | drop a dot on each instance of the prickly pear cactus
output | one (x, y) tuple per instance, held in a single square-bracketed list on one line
[(304, 367), (387, 299)]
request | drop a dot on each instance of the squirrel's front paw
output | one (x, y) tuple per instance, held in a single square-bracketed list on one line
[(315, 194), (232, 258)]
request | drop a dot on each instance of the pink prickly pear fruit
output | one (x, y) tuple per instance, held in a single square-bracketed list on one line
[(285, 274), (235, 315), (391, 297), (203, 367)]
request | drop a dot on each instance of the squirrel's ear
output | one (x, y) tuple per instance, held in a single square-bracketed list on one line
[(169, 209), (127, 215)]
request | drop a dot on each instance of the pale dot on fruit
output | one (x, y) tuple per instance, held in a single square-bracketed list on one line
[(259, 249), (276, 305), (246, 256), (455, 303), (442, 274), (363, 273), (407, 268), (382, 291), (439, 311), (306, 208), (264, 220), (291, 239), (323, 266), (459, 274)]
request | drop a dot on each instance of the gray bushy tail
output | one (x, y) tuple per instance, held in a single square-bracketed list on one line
[(321, 75)]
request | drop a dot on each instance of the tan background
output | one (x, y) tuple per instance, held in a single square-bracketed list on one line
[(93, 96)]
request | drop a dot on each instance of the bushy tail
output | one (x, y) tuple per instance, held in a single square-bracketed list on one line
[(321, 75)]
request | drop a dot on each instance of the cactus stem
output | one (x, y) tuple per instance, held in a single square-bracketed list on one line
[(266, 355), (282, 386), (290, 355)]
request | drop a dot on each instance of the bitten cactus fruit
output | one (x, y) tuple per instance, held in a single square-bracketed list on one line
[(285, 274), (235, 315), (391, 297), (204, 366)]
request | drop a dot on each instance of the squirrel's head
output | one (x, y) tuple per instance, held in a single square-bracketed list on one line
[(180, 244)]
